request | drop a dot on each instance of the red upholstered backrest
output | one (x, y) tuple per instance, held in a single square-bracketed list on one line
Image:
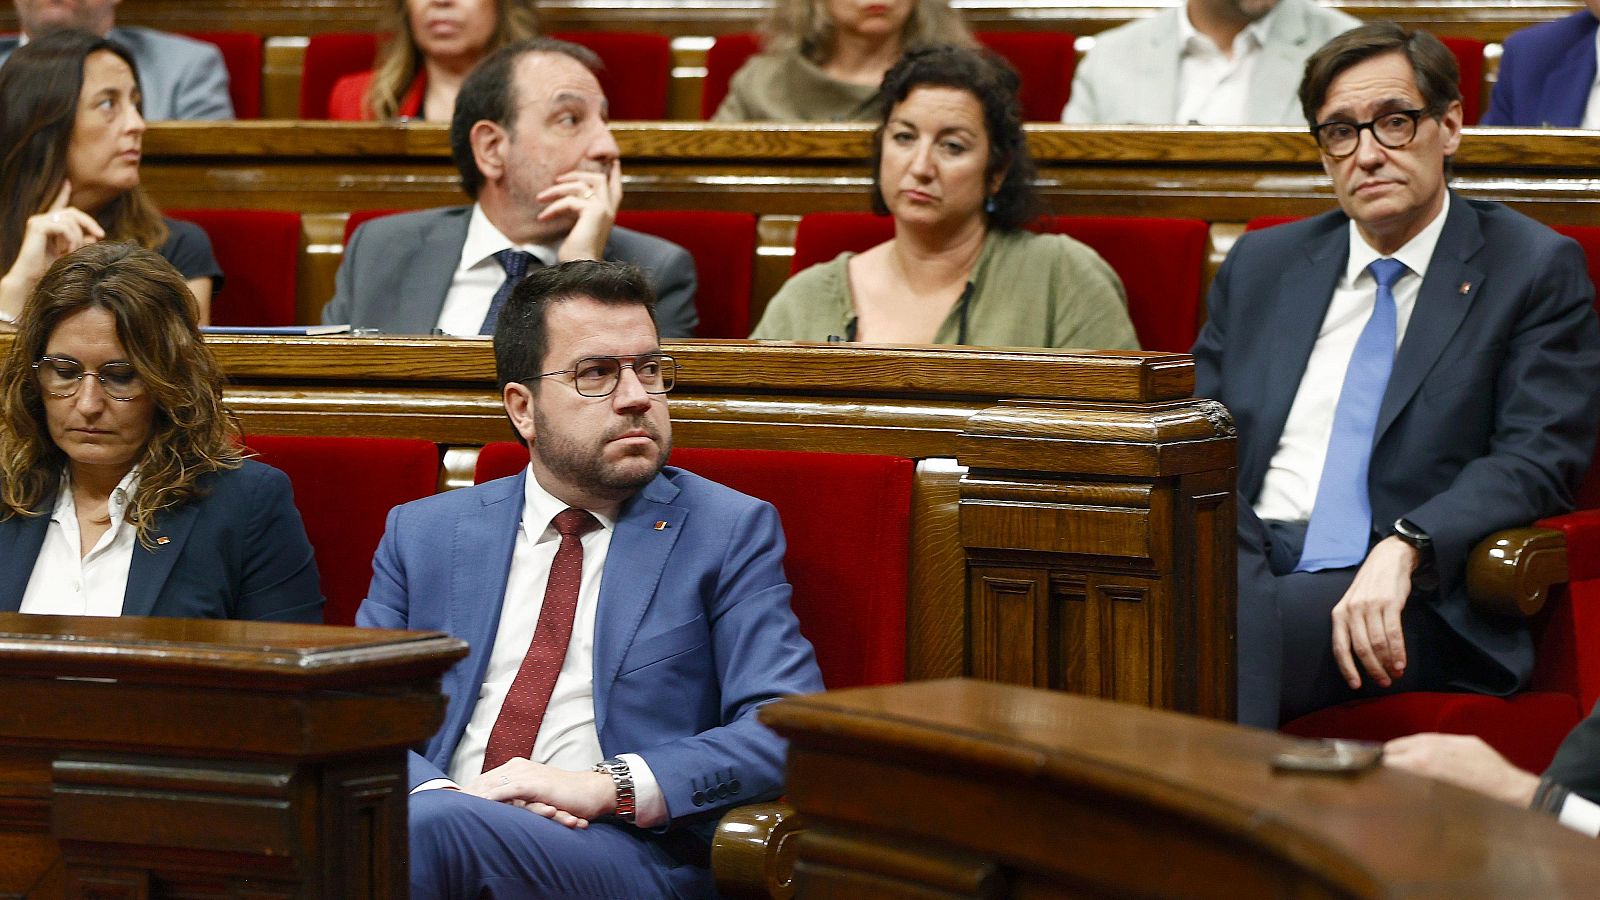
[(241, 53), (1161, 262), (1045, 60), (728, 52), (1469, 59), (344, 489), (259, 252), (638, 67), (329, 57), (1260, 222), (723, 245), (847, 518), (360, 217), (1588, 237)]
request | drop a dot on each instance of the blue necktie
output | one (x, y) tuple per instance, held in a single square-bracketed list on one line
[(516, 263), (1341, 519)]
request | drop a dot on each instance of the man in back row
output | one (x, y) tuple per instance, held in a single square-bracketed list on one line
[(180, 78), (1408, 373), (530, 139)]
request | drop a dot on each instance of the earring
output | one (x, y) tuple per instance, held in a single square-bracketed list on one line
[(989, 205)]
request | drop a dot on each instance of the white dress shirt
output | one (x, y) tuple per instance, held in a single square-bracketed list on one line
[(67, 582), (1290, 489), (1591, 113), (567, 737), (1213, 85), (1580, 815), (479, 275)]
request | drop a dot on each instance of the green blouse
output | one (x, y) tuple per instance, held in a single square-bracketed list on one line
[(788, 87), (1027, 290)]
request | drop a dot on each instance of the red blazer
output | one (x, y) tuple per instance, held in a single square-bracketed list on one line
[(347, 102)]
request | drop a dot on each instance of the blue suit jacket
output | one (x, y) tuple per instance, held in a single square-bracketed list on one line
[(238, 552), (1545, 74), (1489, 417), (693, 632)]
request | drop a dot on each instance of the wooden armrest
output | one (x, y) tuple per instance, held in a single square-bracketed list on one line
[(754, 849), (1511, 571)]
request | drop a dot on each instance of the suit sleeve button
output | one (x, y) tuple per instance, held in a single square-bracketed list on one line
[(699, 798)]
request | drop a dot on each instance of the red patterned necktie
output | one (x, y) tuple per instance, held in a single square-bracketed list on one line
[(518, 725)]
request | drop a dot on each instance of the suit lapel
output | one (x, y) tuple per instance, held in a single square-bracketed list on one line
[(634, 564), (1281, 62), (1154, 77), (1447, 293), (21, 539), (1566, 93), (150, 568), (430, 268)]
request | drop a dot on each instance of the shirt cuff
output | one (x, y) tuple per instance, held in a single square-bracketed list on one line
[(1581, 815), (434, 784), (649, 806)]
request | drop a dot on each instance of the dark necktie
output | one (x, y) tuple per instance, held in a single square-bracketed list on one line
[(523, 711), (1341, 518), (517, 264)]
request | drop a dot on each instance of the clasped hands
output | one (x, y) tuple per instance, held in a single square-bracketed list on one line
[(1366, 620), (573, 799)]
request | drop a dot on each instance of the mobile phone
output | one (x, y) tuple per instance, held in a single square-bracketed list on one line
[(1329, 755)]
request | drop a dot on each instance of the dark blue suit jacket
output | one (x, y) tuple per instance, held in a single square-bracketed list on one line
[(1545, 74), (1489, 418), (693, 632), (237, 552)]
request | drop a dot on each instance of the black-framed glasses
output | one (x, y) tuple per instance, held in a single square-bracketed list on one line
[(1392, 129), (62, 377), (598, 376)]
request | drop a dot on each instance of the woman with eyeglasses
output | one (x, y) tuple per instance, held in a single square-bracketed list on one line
[(70, 140), (123, 489)]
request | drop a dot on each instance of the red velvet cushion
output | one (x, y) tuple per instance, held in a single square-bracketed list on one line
[(1469, 59), (241, 54), (1260, 222), (259, 252), (847, 554), (1525, 728), (360, 217), (1045, 60), (1569, 632), (329, 57), (728, 52), (637, 68), (344, 489), (723, 245), (821, 236)]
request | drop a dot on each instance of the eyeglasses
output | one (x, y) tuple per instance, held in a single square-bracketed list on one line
[(598, 376), (1392, 129), (62, 377)]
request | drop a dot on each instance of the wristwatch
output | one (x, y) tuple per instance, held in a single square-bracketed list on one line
[(622, 777), (1414, 536)]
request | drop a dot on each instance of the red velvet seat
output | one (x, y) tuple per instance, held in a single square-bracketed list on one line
[(241, 53), (846, 558), (723, 245), (637, 69), (344, 489), (1044, 59), (259, 252), (1163, 300), (1469, 60)]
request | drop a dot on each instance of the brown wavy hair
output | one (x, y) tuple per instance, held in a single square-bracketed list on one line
[(806, 27), (399, 60), (157, 323), (41, 83)]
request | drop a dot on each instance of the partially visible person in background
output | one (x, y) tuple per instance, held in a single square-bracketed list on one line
[(71, 133), (1548, 77), (432, 46), (823, 60)]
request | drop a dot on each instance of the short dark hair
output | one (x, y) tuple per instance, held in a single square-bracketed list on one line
[(520, 336), (1432, 65), (490, 93), (994, 84)]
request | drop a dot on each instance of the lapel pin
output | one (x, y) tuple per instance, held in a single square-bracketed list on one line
[(163, 540), (1465, 286), (661, 526)]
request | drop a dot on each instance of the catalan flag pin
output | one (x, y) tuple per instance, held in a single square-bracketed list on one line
[(1465, 286), (661, 526), (163, 540)]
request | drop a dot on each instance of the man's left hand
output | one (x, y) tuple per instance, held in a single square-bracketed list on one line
[(592, 198), (1465, 761), (573, 799), (1366, 621)]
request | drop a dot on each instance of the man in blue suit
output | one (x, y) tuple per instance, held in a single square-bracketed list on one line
[(626, 622), (1408, 374), (1547, 75)]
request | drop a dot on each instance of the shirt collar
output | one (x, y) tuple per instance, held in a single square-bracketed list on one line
[(484, 241), (116, 506), (1254, 36), (1415, 253), (539, 507)]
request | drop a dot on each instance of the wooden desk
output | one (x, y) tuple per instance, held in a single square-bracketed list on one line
[(172, 757), (965, 789)]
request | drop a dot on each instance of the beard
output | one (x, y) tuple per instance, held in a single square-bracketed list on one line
[(584, 465)]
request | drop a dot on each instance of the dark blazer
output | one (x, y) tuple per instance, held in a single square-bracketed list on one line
[(693, 632), (397, 270), (238, 552), (1576, 766), (1489, 418), (1545, 74)]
